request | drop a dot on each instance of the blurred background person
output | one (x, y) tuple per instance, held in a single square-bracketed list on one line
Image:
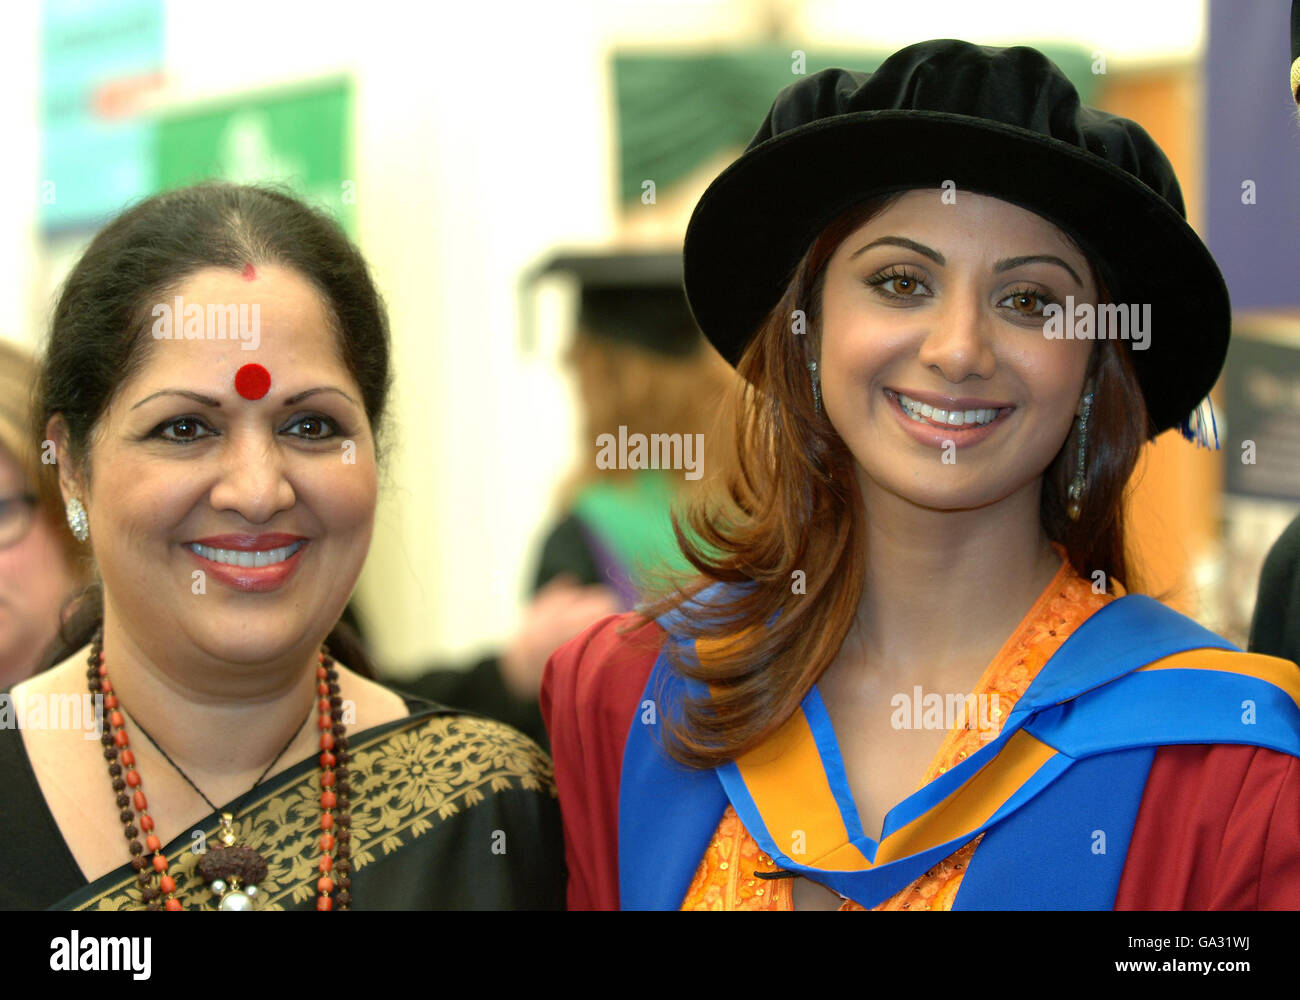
[(1275, 626), (640, 367), (39, 565)]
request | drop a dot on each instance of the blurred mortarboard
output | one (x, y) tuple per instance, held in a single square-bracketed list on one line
[(634, 298)]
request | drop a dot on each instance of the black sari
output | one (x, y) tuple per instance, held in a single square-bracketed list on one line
[(449, 811)]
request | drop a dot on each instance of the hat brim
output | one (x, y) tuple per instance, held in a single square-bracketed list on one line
[(758, 218)]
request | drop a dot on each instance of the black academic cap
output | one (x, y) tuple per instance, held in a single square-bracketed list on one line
[(1001, 122), (634, 298)]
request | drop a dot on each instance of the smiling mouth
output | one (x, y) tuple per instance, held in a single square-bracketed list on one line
[(245, 560), (924, 413)]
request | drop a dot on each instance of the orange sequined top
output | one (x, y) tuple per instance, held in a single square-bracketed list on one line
[(725, 878)]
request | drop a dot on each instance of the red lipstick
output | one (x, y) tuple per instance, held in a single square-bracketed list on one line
[(250, 579)]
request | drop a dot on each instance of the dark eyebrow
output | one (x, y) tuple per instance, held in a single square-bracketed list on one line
[(999, 267), (209, 401), (293, 400), (197, 397), (1010, 262), (902, 241)]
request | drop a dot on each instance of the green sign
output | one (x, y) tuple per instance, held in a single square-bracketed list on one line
[(299, 136), (676, 110)]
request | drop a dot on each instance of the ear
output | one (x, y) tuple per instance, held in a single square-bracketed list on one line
[(71, 482)]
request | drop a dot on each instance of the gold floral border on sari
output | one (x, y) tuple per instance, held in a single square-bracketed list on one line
[(407, 777)]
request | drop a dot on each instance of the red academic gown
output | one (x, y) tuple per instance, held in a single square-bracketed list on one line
[(1218, 827)]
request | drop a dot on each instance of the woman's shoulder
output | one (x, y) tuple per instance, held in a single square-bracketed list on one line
[(590, 692), (64, 677), (602, 671), (454, 740), (1218, 828), (382, 703), (36, 867), (600, 674), (457, 766)]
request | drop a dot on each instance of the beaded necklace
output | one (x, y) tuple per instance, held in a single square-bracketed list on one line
[(232, 871)]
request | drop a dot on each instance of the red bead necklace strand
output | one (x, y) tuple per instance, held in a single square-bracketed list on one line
[(122, 772), (335, 864)]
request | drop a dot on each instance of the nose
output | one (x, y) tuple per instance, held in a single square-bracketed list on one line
[(957, 344), (253, 481)]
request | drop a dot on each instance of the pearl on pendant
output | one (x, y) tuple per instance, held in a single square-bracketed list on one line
[(251, 891), (217, 886), (236, 900)]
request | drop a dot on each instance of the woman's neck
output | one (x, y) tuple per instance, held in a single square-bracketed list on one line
[(221, 724), (944, 589)]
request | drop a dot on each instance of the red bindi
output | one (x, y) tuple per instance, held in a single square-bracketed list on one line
[(250, 272), (252, 381)]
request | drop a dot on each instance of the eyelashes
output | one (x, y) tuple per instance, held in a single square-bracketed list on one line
[(160, 430), (880, 281), (898, 283), (1018, 295), (316, 419), (330, 429)]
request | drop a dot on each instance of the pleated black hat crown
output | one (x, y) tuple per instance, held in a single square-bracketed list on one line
[(1004, 122)]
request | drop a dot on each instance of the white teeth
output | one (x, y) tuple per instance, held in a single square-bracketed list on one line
[(927, 414), (247, 560)]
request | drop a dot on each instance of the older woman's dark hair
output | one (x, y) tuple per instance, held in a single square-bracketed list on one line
[(99, 334)]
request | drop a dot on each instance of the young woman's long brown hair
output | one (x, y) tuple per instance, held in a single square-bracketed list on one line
[(789, 504)]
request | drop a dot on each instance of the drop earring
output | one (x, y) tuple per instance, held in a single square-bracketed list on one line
[(1074, 506), (77, 520), (816, 385)]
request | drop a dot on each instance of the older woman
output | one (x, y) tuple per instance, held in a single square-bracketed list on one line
[(39, 563), (214, 387), (909, 676)]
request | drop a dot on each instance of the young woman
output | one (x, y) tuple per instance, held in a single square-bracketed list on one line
[(215, 387), (909, 676)]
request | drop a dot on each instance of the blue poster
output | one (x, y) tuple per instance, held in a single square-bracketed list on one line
[(96, 155)]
